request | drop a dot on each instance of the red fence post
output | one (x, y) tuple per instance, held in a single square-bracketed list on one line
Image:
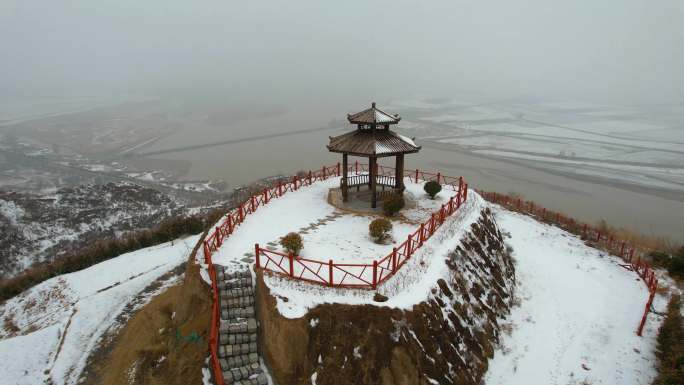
[(375, 274), (465, 192), (256, 253), (408, 247), (421, 236), (291, 265), (458, 198), (330, 269), (309, 177), (280, 188), (265, 196), (217, 235), (622, 249), (294, 181), (323, 172), (416, 181), (439, 175), (394, 259), (460, 184), (242, 212), (251, 201), (230, 223)]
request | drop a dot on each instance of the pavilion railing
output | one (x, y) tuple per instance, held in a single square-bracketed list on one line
[(363, 179)]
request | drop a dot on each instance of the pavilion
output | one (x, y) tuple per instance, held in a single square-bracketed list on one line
[(372, 139)]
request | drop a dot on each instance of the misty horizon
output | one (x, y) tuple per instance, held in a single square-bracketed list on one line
[(618, 51)]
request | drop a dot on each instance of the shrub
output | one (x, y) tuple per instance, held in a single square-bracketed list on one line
[(292, 242), (379, 229), (660, 258), (670, 349), (392, 204), (676, 266), (432, 188)]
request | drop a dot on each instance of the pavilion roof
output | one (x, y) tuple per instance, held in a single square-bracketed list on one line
[(373, 116), (372, 142)]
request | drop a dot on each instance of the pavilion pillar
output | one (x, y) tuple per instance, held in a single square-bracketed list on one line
[(399, 173), (372, 171), (345, 170)]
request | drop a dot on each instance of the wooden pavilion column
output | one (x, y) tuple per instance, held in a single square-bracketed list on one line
[(372, 173), (399, 173), (345, 170)]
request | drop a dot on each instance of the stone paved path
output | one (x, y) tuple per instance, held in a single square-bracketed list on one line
[(238, 332)]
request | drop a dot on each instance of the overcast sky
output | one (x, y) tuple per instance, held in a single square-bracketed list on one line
[(621, 50)]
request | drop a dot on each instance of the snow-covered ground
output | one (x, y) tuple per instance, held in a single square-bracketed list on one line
[(342, 236), (579, 310), (327, 233), (61, 321)]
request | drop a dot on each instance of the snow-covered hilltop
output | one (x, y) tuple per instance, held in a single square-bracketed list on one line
[(491, 296), (577, 308)]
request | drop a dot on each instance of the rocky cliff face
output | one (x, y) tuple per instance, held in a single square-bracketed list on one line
[(446, 339)]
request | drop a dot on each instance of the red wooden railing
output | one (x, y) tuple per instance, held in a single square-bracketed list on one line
[(631, 254), (361, 275), (236, 216)]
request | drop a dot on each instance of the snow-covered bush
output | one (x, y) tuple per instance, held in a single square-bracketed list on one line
[(293, 243), (432, 188), (379, 229), (392, 204)]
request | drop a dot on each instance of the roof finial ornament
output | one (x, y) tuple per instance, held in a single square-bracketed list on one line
[(373, 105)]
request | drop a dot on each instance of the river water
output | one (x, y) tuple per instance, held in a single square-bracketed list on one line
[(650, 211)]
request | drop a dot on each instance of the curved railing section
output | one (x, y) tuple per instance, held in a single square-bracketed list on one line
[(363, 275), (630, 254)]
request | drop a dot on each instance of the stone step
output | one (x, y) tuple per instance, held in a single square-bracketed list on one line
[(237, 349), (227, 303), (238, 282), (238, 292), (234, 283), (234, 375), (230, 339), (238, 361), (237, 312), (234, 327)]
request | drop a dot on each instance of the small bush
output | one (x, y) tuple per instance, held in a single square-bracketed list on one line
[(670, 349), (432, 188), (380, 229), (660, 258), (676, 266), (392, 204), (293, 243)]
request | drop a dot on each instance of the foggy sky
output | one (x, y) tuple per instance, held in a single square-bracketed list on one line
[(618, 50)]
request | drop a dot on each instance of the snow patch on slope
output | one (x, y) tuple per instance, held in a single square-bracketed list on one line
[(61, 320), (578, 314)]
